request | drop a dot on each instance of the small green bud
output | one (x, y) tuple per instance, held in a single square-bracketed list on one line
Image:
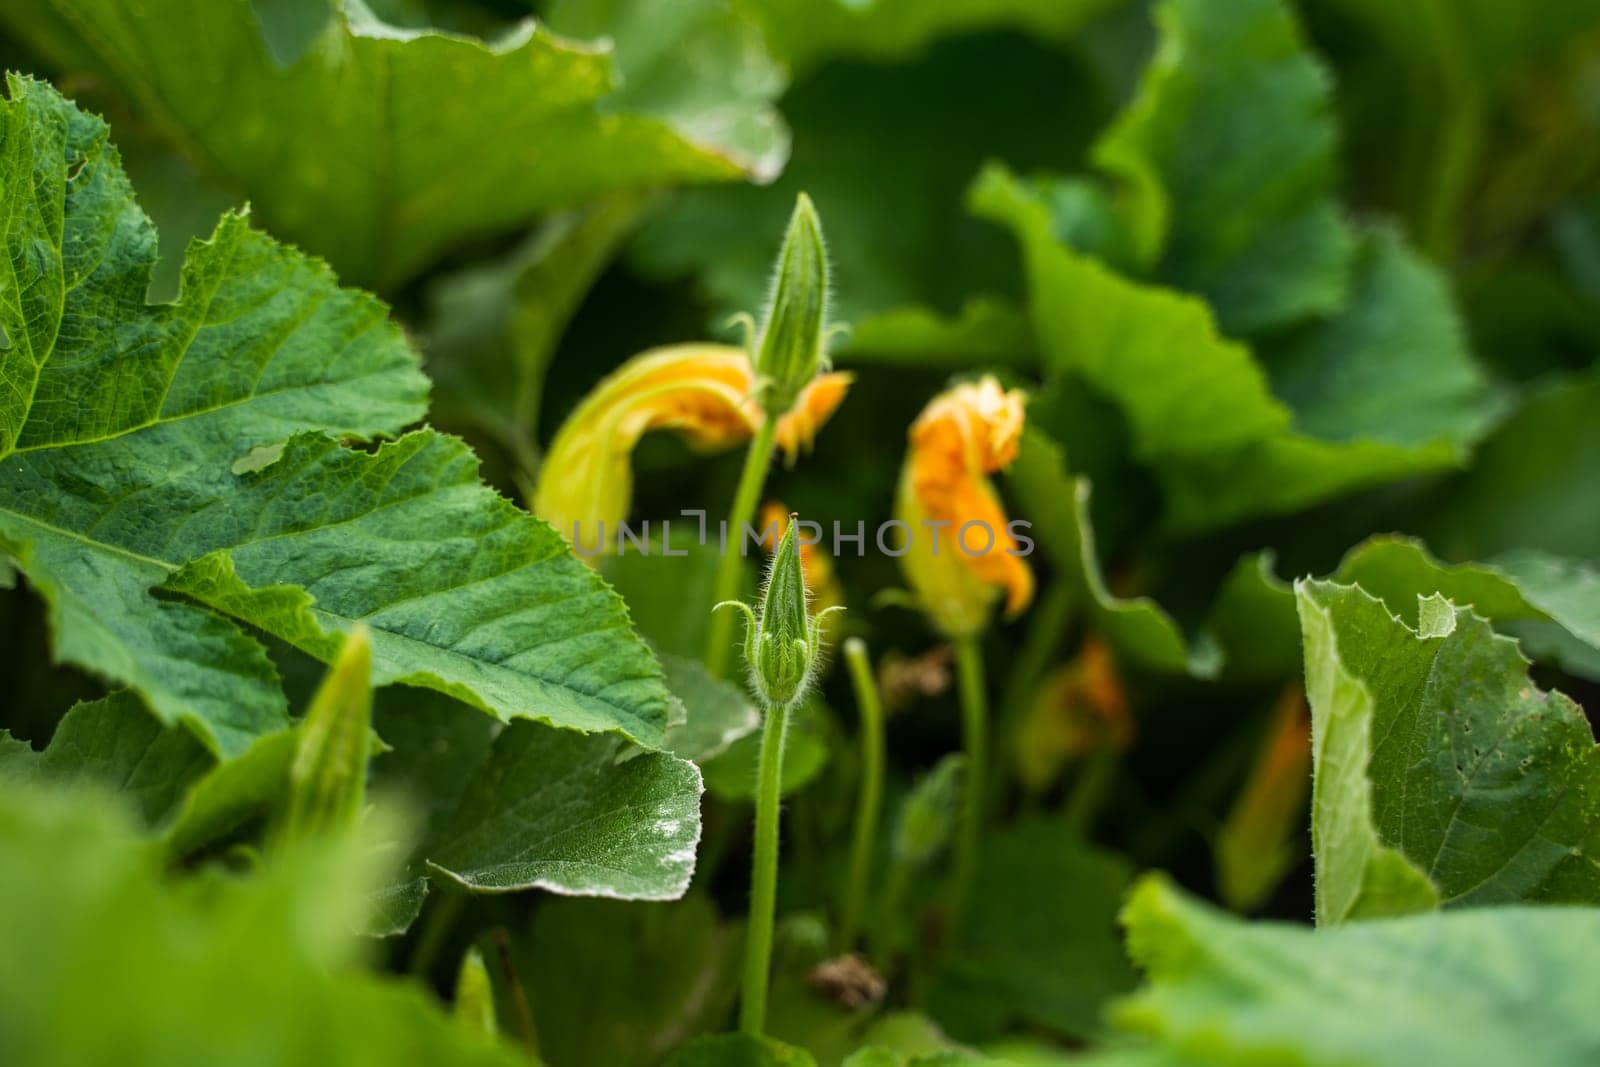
[(328, 775), (782, 642), (474, 1007), (789, 350)]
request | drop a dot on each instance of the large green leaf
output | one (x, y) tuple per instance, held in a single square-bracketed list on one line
[(380, 147), (886, 152), (1531, 482), (1040, 946), (1202, 412), (113, 743), (144, 447), (626, 983), (1442, 774), (1552, 603), (533, 808), (1227, 155), (1489, 987), (555, 810), (114, 958), (493, 328)]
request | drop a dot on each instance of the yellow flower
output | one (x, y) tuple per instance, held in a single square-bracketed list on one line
[(962, 551), (703, 392)]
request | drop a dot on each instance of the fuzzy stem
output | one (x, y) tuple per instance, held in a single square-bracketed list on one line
[(869, 801), (763, 876), (719, 634), (975, 741)]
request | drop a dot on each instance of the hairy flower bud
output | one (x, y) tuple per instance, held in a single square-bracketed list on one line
[(789, 349), (783, 641)]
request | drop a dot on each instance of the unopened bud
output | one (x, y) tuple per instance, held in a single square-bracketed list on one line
[(783, 641), (328, 776), (789, 350)]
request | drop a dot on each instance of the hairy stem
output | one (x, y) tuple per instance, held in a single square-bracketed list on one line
[(719, 634), (763, 876), (869, 800), (975, 742)]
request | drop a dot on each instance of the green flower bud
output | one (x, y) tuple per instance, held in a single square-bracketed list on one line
[(789, 350), (782, 641), (328, 776)]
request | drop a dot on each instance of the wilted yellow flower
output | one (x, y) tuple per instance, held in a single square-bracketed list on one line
[(962, 436), (1080, 708), (703, 392)]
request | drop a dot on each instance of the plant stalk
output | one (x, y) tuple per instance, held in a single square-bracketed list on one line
[(763, 876), (719, 633), (869, 800), (975, 742)]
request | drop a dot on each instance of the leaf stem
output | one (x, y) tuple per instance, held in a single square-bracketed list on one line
[(869, 800), (719, 634), (975, 742), (763, 875)]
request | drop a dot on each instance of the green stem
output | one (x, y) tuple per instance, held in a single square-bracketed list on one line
[(975, 741), (1045, 632), (1089, 790), (719, 634), (763, 876), (439, 921), (885, 942), (869, 801)]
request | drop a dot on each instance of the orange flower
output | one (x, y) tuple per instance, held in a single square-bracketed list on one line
[(962, 436), (1080, 708), (703, 392), (1256, 847)]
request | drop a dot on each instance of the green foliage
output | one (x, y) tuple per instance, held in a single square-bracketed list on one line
[(1480, 987), (208, 471), (316, 746), (437, 136), (1442, 774), (195, 971)]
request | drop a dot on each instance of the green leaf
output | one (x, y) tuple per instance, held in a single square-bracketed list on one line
[(1201, 411), (716, 713), (806, 33), (1530, 486), (1057, 504), (179, 478), (551, 809), (898, 244), (1227, 158), (1252, 622), (381, 147), (1442, 774), (494, 327), (1489, 987), (1519, 587), (1041, 945), (731, 774), (625, 983), (114, 742), (739, 1050), (122, 960)]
